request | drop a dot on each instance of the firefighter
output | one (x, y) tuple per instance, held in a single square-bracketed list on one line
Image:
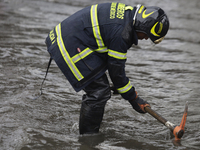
[(96, 39)]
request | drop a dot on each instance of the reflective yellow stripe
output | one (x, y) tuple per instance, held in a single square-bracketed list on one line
[(82, 55), (140, 10), (160, 28), (153, 30), (128, 8), (125, 89), (95, 26), (66, 55), (101, 50), (87, 52), (117, 55)]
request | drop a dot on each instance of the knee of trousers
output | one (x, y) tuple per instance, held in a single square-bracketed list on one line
[(98, 90), (99, 96)]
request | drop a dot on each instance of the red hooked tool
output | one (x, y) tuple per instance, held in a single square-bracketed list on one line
[(178, 131)]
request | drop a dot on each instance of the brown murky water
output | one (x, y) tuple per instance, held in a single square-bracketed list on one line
[(166, 75)]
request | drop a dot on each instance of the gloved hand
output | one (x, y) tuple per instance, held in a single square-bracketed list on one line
[(139, 104), (114, 90)]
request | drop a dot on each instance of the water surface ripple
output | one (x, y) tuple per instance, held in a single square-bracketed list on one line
[(166, 75)]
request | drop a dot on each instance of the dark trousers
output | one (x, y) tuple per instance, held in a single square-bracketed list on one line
[(93, 104)]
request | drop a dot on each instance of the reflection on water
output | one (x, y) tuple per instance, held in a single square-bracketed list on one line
[(166, 75)]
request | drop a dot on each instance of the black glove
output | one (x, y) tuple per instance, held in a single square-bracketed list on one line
[(139, 104), (114, 90)]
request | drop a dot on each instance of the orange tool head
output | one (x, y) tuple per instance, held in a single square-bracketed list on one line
[(179, 130)]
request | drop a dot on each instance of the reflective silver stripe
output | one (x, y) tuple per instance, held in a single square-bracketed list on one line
[(125, 89), (66, 55), (95, 26), (82, 55), (138, 7), (116, 55), (87, 52), (101, 50)]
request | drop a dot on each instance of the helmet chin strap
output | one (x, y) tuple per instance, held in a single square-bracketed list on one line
[(159, 40), (138, 7)]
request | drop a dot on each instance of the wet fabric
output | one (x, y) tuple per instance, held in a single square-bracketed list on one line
[(93, 104), (88, 42)]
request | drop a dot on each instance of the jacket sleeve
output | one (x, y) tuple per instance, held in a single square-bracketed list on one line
[(117, 50)]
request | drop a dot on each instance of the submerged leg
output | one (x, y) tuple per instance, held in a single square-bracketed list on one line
[(93, 104)]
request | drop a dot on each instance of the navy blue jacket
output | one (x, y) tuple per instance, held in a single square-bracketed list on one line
[(93, 40)]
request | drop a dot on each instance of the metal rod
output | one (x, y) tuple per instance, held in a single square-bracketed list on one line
[(160, 118), (155, 115), (178, 131)]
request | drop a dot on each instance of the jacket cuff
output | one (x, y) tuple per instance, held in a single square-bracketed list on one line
[(130, 95)]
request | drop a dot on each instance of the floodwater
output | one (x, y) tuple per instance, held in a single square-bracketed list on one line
[(166, 75)]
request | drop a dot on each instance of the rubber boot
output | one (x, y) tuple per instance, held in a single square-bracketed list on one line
[(93, 104)]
